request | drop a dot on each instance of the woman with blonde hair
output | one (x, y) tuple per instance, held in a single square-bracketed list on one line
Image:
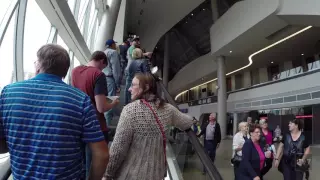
[(238, 141), (138, 151), (138, 65)]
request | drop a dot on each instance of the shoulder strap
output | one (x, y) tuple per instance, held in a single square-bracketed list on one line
[(161, 128)]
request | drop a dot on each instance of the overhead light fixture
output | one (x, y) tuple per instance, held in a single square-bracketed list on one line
[(191, 14), (203, 9), (250, 58), (271, 62), (302, 54), (230, 51)]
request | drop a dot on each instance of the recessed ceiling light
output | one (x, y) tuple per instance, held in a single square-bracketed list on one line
[(203, 9), (192, 14), (271, 62), (302, 54), (230, 51)]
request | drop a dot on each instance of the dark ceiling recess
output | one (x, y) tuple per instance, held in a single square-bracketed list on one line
[(189, 38)]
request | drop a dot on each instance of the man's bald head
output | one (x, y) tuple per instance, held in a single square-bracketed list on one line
[(213, 117)]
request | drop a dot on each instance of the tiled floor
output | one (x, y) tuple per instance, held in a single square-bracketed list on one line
[(194, 167)]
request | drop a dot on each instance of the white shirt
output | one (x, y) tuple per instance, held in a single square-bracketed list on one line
[(238, 140), (210, 131)]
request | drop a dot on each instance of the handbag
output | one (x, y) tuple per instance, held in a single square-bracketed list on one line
[(236, 159), (161, 129)]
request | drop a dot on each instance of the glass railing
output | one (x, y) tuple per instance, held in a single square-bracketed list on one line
[(189, 157), (314, 65), (287, 74)]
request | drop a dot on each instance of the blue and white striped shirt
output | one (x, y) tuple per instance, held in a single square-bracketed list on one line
[(46, 124)]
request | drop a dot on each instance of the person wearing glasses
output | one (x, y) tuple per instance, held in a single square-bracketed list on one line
[(253, 157), (138, 150)]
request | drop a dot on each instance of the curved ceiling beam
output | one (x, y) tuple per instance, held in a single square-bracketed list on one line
[(250, 58)]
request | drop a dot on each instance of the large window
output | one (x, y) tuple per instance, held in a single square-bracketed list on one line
[(36, 33), (71, 4), (61, 42), (4, 7), (76, 62), (6, 55)]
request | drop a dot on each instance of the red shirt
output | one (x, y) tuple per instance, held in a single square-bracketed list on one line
[(86, 78)]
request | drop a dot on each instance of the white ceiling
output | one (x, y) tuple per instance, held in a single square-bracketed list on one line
[(157, 18)]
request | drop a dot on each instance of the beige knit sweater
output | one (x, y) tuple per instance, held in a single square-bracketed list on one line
[(137, 150)]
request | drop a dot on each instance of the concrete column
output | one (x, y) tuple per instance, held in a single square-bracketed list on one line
[(120, 32), (215, 12), (108, 25), (246, 79), (235, 123), (166, 60), (222, 95), (233, 82), (263, 75)]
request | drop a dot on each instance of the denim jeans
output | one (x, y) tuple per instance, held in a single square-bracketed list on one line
[(112, 91), (127, 93), (210, 147)]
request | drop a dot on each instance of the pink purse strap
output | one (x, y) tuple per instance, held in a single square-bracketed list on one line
[(161, 129)]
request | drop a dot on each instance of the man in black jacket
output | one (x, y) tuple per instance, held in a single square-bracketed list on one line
[(212, 136)]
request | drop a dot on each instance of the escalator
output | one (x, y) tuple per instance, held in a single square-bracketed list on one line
[(186, 157)]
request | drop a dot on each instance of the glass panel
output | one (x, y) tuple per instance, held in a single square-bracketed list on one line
[(92, 29), (82, 13), (71, 4), (93, 7), (6, 56), (62, 43), (3, 8), (97, 29), (76, 62), (109, 2), (34, 37)]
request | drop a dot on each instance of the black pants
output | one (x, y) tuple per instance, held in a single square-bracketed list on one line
[(235, 168), (268, 166), (290, 173)]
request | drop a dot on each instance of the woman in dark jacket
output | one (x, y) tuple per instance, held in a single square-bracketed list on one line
[(253, 157), (138, 65)]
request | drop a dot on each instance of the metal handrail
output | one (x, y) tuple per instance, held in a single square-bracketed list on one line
[(205, 159)]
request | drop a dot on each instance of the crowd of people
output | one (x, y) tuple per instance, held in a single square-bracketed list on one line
[(255, 152), (53, 130)]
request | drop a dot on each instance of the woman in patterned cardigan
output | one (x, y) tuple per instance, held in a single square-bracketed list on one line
[(138, 149)]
